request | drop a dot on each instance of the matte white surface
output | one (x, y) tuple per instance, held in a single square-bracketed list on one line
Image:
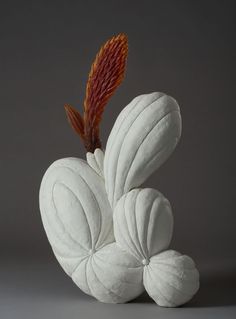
[(77, 218), (143, 226), (171, 279), (75, 211), (143, 223), (143, 137), (110, 275)]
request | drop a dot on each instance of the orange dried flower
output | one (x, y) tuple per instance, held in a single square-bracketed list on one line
[(106, 73), (75, 119)]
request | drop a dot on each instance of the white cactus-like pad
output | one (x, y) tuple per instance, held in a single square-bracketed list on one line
[(76, 214), (110, 275), (143, 137), (143, 227), (143, 223), (171, 279), (77, 218), (81, 202)]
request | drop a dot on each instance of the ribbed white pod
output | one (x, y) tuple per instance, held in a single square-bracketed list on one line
[(143, 226), (110, 275), (143, 223), (171, 279), (77, 218), (75, 211), (144, 135)]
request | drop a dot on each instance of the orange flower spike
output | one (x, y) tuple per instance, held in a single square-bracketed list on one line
[(75, 119), (107, 72)]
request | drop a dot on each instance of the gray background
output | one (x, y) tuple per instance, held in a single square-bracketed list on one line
[(183, 48)]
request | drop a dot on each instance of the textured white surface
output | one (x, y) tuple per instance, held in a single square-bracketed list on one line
[(111, 275), (171, 279), (78, 198), (144, 135), (143, 226), (77, 218), (75, 211), (143, 223)]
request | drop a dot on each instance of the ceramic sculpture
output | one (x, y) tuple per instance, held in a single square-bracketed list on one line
[(109, 235)]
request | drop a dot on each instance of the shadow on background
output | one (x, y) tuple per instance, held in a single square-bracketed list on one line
[(215, 291), (46, 279)]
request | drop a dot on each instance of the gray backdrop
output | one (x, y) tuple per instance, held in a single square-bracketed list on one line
[(183, 48)]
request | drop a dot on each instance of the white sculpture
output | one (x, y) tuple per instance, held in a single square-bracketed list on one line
[(109, 235), (144, 135)]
